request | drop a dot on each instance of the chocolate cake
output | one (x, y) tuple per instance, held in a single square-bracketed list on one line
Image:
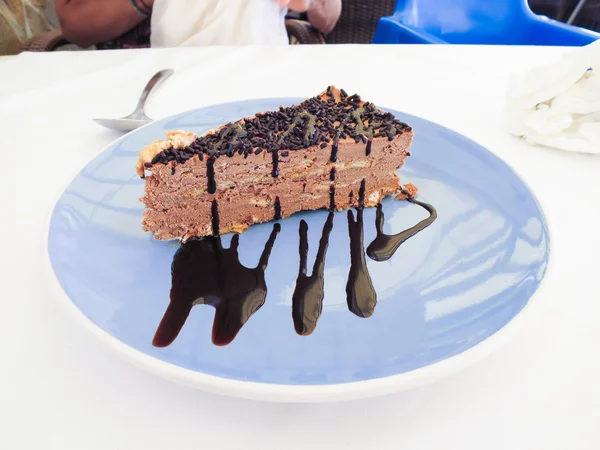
[(331, 151)]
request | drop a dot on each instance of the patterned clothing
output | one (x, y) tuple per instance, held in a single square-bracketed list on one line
[(137, 37), (20, 20)]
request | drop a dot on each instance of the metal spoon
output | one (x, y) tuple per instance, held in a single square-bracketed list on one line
[(137, 118)]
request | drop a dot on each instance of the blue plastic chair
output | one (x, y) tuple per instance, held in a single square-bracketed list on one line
[(503, 22)]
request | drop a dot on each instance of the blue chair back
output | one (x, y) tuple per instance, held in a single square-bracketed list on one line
[(476, 22)]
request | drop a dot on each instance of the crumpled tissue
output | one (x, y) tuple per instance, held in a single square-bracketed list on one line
[(558, 104)]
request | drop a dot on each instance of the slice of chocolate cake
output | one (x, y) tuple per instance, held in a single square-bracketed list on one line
[(331, 151)]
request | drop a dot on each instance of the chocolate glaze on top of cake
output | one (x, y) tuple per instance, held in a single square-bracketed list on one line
[(316, 121)]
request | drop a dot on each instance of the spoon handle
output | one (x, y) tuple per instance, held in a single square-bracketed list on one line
[(157, 78)]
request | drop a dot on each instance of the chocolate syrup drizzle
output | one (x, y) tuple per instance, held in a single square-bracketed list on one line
[(277, 215), (307, 300), (203, 272), (210, 175), (384, 246), (334, 149), (275, 172), (214, 209), (332, 197), (361, 193), (360, 293)]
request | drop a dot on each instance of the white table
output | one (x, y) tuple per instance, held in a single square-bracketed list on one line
[(60, 388)]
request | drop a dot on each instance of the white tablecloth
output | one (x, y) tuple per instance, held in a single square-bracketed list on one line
[(60, 388)]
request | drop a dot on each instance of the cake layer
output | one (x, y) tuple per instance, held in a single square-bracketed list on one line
[(237, 214)]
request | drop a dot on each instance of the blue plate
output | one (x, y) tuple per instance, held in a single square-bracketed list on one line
[(445, 291)]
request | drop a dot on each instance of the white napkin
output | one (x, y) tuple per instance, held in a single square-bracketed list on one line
[(217, 22), (558, 104)]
